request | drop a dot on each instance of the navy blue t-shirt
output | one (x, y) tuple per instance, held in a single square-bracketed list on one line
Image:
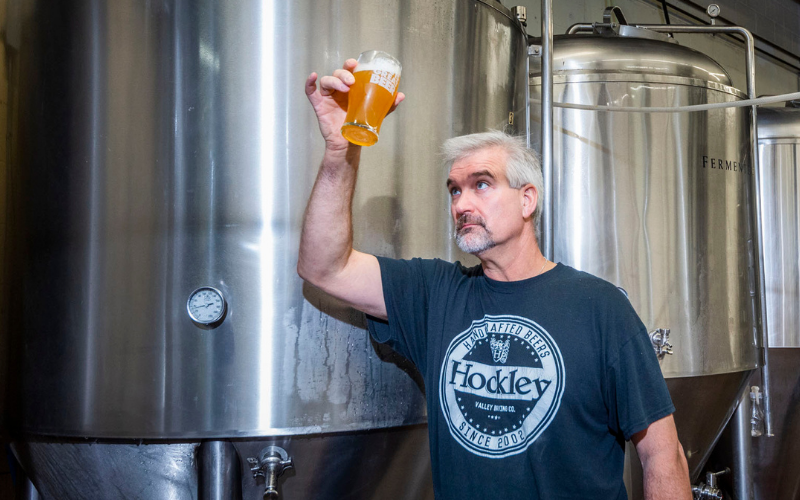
[(532, 386)]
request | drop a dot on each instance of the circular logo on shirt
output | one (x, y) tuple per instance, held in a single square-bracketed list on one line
[(501, 385)]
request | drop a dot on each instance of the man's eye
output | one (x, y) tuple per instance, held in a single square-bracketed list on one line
[(455, 192), (482, 185)]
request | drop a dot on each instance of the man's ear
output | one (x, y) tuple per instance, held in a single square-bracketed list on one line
[(530, 198)]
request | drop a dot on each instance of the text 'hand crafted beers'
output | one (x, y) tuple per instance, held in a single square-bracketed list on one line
[(371, 97)]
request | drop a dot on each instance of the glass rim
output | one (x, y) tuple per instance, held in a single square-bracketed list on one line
[(379, 54)]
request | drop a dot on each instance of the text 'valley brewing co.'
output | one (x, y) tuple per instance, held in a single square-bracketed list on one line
[(500, 385)]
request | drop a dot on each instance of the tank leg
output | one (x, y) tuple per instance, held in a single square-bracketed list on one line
[(220, 473), (742, 451), (29, 491), (24, 488)]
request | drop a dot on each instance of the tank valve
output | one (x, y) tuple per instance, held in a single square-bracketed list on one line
[(756, 412), (660, 340), (270, 464), (709, 490)]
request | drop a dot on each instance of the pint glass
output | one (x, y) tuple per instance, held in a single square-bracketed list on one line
[(377, 76)]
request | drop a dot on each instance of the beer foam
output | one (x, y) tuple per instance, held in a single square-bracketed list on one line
[(379, 65)]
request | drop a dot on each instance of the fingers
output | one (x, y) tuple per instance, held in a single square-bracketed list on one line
[(330, 84), (311, 84), (350, 65), (345, 76), (341, 80), (400, 98)]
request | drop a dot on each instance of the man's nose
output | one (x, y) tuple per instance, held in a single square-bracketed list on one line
[(463, 204)]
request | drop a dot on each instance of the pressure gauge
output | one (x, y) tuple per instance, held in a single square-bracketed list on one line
[(207, 307)]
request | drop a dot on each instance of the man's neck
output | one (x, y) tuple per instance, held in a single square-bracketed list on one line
[(515, 260)]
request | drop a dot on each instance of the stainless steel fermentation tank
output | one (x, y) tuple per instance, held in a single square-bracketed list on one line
[(765, 468), (160, 147), (775, 460), (661, 204)]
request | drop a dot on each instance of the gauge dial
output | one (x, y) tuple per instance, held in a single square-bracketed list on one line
[(206, 306)]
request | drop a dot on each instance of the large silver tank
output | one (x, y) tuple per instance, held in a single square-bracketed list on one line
[(765, 468), (662, 205), (158, 147), (778, 149)]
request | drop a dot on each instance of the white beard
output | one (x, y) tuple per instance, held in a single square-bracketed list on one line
[(475, 240)]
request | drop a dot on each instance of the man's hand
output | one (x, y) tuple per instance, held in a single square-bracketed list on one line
[(326, 258), (330, 103), (666, 473)]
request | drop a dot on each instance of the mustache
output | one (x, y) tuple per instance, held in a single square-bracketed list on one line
[(465, 219)]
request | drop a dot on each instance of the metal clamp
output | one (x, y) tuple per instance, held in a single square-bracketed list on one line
[(660, 340), (271, 463), (709, 490)]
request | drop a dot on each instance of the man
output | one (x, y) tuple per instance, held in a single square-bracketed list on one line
[(535, 373)]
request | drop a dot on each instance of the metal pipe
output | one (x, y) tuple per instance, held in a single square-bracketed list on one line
[(580, 28), (548, 242), (220, 476), (742, 449), (607, 24), (678, 109), (701, 7), (751, 93)]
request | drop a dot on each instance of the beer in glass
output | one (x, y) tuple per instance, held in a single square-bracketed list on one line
[(371, 97)]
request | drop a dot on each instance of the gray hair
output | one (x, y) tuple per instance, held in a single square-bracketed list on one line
[(522, 167)]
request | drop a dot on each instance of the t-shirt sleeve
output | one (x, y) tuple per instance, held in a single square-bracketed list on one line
[(637, 394), (406, 289)]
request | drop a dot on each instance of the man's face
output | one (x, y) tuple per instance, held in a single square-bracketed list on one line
[(487, 211)]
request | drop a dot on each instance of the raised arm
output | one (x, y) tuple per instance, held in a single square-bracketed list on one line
[(327, 258), (666, 474)]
